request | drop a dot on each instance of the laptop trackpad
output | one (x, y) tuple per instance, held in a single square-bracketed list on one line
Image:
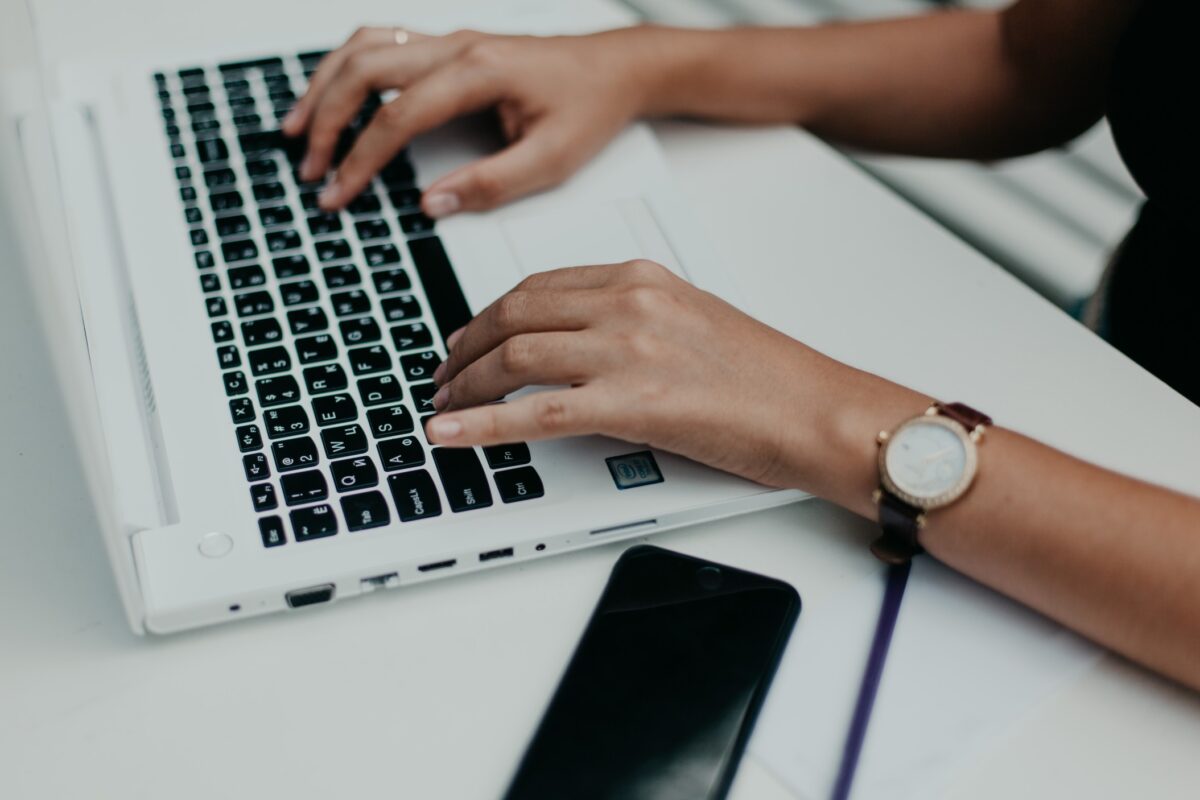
[(581, 232)]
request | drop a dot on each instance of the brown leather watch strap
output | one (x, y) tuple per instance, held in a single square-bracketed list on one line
[(964, 415), (901, 524)]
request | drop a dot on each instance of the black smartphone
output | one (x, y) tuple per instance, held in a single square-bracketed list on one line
[(661, 694)]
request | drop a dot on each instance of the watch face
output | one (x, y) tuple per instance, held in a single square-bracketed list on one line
[(927, 460)]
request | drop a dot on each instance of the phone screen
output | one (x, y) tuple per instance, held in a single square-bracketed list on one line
[(660, 696)]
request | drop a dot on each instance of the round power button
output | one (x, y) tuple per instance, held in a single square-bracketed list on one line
[(215, 545)]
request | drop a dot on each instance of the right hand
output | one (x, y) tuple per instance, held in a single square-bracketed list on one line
[(559, 99)]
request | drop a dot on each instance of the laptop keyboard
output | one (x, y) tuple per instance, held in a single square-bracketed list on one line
[(324, 324)]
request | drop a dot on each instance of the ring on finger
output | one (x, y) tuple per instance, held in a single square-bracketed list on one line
[(400, 35)]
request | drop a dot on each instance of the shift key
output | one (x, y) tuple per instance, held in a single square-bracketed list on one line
[(463, 478)]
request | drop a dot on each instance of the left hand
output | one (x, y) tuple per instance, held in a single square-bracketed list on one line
[(648, 357)]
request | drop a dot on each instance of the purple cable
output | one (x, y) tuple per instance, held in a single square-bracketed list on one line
[(892, 595)]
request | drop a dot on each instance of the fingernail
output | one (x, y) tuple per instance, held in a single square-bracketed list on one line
[(329, 195), (454, 337), (441, 204), (440, 398), (291, 118), (444, 428), (438, 373)]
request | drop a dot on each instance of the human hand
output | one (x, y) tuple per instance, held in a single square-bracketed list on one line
[(648, 357), (559, 100)]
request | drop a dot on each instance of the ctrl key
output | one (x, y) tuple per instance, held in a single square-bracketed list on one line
[(518, 484), (415, 495), (313, 522), (272, 531)]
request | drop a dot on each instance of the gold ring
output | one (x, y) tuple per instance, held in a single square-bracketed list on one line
[(400, 35)]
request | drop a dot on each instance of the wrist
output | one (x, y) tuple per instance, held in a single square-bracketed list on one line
[(658, 66)]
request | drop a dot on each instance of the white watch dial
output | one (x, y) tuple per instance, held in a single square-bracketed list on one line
[(926, 460)]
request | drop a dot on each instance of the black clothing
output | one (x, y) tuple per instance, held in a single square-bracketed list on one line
[(1153, 303)]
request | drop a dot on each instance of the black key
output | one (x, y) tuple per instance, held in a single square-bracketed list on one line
[(520, 484), (290, 266), (225, 201), (307, 320), (245, 122), (463, 478), (192, 215), (277, 391), (366, 510), (210, 282), (269, 360), (388, 281), (399, 173), (192, 89), (241, 66), (261, 331), (354, 473), (334, 409), (183, 173), (308, 200), (377, 255), (263, 168), (368, 360), (341, 276), (354, 301), (311, 349), (256, 467), (303, 487), (249, 437), (241, 410), (199, 107), (287, 239), (212, 149), (446, 300), (246, 277), (222, 176), (204, 259), (201, 126), (286, 421), (222, 331), (177, 150), (400, 453), (241, 104), (345, 441), (366, 203), (506, 455), (313, 523), (412, 336), (398, 309), (420, 366), (415, 495), (324, 224), (359, 331), (187, 193), (298, 292), (229, 357), (262, 495), (407, 197), (235, 383), (266, 192), (236, 83), (198, 236), (293, 454), (191, 73), (370, 229), (333, 250), (249, 304), (391, 421), (240, 250), (215, 306), (380, 389), (422, 395), (253, 142), (233, 225), (415, 223), (271, 530), (312, 57), (325, 378), (276, 215)]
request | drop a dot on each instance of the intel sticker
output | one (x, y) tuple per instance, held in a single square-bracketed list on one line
[(635, 469)]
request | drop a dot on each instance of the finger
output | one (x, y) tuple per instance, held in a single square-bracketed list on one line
[(518, 312), (297, 120), (536, 161), (450, 91), (544, 415), (530, 359)]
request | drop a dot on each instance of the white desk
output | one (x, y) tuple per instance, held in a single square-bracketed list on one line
[(432, 691)]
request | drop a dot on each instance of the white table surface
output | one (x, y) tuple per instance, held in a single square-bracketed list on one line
[(433, 691)]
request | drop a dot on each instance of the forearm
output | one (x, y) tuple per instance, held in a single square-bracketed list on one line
[(1114, 558)]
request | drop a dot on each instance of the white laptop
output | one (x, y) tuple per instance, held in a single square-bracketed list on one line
[(249, 376)]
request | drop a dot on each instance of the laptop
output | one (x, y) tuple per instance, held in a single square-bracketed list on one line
[(249, 376)]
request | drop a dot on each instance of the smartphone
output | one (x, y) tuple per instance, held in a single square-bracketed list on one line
[(661, 694)]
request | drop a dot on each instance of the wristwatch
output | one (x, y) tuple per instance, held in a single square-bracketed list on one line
[(928, 462)]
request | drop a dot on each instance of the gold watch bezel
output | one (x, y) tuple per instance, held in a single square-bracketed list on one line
[(969, 441)]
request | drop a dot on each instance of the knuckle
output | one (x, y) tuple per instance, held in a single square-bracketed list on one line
[(552, 415), (510, 309), (360, 33), (645, 269), (484, 53), (356, 66), (516, 355), (486, 185), (642, 300)]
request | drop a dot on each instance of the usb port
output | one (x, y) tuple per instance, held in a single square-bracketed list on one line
[(437, 565), (386, 581), (493, 554)]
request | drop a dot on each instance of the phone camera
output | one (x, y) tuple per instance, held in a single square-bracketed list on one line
[(709, 578)]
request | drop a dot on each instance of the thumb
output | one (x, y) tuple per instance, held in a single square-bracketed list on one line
[(536, 161)]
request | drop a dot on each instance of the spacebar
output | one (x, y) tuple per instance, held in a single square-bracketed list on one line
[(446, 301)]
